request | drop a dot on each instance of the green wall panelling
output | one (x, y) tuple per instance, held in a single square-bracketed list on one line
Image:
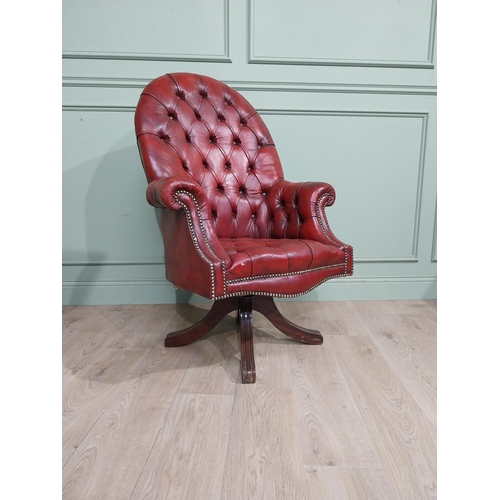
[(345, 106)]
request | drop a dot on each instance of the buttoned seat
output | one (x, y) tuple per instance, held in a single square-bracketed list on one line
[(232, 226), (278, 265)]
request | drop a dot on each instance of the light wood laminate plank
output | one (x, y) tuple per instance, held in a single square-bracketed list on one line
[(264, 460), (403, 436), (109, 460), (329, 318), (331, 429), (367, 484), (356, 400), (106, 328), (410, 349), (215, 361), (114, 366), (345, 483), (325, 483), (187, 459)]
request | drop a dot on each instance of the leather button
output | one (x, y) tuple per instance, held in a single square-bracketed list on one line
[(184, 166), (197, 115), (237, 140), (221, 118), (205, 164), (228, 165), (213, 139), (188, 138), (203, 93), (180, 94), (220, 188)]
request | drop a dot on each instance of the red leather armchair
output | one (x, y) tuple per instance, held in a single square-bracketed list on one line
[(234, 230)]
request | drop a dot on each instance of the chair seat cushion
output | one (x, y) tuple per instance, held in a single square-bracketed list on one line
[(269, 257)]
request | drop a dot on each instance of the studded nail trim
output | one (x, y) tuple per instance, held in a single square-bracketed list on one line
[(279, 295), (198, 211), (282, 275), (321, 219), (195, 239)]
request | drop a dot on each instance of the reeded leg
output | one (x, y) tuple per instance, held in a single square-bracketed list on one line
[(267, 307), (246, 334), (220, 309)]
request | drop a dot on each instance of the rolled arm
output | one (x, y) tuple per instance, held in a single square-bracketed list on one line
[(176, 193), (163, 193), (298, 210)]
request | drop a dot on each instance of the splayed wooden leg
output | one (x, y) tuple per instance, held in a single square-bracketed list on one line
[(220, 309), (266, 306), (244, 305)]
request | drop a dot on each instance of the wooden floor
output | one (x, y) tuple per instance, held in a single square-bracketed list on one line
[(354, 418)]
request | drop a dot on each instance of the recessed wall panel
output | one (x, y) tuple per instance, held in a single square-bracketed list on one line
[(152, 29), (354, 32), (106, 218), (374, 163)]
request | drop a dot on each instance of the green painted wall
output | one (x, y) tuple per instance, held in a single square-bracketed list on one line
[(357, 78)]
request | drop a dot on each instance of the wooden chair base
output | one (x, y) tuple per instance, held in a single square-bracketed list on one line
[(244, 305)]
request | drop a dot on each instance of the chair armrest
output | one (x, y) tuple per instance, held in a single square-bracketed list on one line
[(176, 193), (298, 210), (164, 192)]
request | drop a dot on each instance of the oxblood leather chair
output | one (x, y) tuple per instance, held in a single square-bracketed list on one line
[(234, 230)]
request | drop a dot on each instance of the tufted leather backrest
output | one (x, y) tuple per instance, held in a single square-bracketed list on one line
[(194, 127)]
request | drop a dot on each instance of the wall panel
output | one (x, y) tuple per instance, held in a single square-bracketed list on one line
[(151, 30), (353, 106), (374, 161), (354, 33)]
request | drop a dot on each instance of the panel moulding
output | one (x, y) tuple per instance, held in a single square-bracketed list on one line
[(262, 86), (159, 56), (434, 238), (161, 291), (412, 257), (253, 58)]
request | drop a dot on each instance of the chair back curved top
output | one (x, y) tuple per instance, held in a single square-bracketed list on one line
[(195, 127)]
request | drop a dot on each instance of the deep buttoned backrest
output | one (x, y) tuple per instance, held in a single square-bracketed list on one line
[(194, 127)]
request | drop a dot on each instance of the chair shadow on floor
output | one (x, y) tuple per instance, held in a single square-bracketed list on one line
[(224, 337)]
